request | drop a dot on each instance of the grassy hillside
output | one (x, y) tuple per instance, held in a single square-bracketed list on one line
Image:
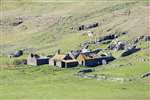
[(47, 26)]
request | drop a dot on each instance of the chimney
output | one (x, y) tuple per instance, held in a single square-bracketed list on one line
[(58, 52)]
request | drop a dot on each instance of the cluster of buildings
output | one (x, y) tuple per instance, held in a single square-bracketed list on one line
[(72, 59)]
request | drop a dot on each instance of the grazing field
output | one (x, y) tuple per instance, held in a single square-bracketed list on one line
[(48, 83), (48, 25)]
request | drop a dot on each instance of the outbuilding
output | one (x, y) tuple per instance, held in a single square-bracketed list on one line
[(63, 61), (92, 60), (130, 51), (34, 59)]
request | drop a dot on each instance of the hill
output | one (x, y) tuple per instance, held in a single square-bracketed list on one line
[(44, 26)]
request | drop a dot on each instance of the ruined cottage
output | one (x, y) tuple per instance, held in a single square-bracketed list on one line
[(63, 61), (130, 51), (92, 60), (88, 26), (34, 59)]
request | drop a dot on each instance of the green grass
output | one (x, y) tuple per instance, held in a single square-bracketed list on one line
[(44, 83), (122, 69), (48, 82)]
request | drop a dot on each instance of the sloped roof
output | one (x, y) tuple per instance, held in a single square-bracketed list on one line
[(87, 56), (59, 57)]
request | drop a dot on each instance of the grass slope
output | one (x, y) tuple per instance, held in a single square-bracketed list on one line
[(44, 83), (46, 27)]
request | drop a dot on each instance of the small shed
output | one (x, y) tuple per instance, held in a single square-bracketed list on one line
[(34, 59), (130, 51), (63, 61), (92, 60)]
